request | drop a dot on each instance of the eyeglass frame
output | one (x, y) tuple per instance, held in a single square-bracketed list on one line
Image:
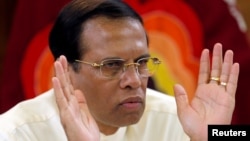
[(125, 65)]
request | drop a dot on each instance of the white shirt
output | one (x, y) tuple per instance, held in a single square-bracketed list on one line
[(37, 119)]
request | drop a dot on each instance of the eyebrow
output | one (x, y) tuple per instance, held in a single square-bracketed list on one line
[(142, 56)]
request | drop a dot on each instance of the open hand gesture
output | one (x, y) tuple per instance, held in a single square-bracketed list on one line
[(214, 99), (78, 123)]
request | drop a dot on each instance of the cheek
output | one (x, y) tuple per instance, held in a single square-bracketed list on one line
[(81, 80), (91, 88), (84, 81), (93, 85), (144, 81), (101, 96)]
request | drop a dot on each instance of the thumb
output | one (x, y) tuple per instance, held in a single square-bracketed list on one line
[(180, 97)]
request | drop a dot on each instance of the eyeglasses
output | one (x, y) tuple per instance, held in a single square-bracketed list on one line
[(113, 68)]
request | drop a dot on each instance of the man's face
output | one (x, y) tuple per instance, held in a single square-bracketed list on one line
[(120, 101)]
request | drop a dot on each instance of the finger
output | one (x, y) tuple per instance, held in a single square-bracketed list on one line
[(233, 79), (181, 98), (204, 70), (62, 74), (64, 63), (226, 67), (60, 98), (216, 62)]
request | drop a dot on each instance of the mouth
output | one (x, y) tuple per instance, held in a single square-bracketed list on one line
[(132, 103)]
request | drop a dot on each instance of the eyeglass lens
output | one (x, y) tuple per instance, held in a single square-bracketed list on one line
[(145, 67)]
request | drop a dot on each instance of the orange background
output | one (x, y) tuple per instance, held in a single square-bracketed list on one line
[(166, 47), (7, 10)]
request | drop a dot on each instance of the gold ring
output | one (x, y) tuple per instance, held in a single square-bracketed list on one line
[(215, 79), (223, 84)]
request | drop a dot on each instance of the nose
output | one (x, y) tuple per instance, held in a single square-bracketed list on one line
[(131, 77)]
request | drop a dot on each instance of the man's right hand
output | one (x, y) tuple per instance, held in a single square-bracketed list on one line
[(78, 123)]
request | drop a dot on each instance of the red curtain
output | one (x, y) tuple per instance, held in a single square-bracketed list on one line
[(31, 16), (218, 25), (202, 22)]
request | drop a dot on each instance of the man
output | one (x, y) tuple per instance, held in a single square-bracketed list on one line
[(102, 68)]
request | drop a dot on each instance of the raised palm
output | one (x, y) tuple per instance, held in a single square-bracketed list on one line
[(214, 99)]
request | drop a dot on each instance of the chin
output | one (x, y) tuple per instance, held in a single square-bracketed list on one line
[(130, 120)]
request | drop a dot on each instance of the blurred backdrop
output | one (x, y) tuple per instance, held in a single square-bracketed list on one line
[(178, 31)]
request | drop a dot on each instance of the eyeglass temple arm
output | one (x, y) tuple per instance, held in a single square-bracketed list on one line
[(92, 64)]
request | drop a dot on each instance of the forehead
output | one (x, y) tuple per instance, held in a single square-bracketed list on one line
[(105, 36)]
